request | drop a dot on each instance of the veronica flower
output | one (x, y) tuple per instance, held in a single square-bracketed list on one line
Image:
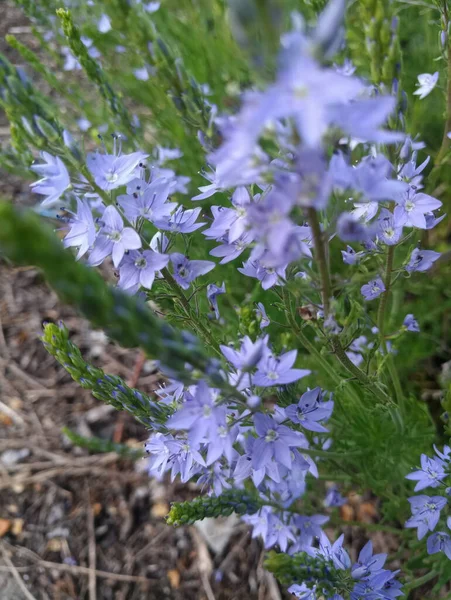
[(413, 206), (432, 221), (421, 260), (186, 271), (82, 232), (181, 221), (373, 289), (439, 542), (186, 460), (302, 592), (111, 171), (269, 276), (151, 7), (160, 455), (261, 314), (309, 527), (240, 200), (426, 83), (113, 238), (411, 173), (198, 415), (411, 324), (347, 68), (351, 229), (431, 474), (278, 533), (333, 497), (350, 256), (367, 563), (365, 211), (310, 410), (223, 218), (273, 441), (362, 119), (389, 227), (139, 268), (372, 178), (334, 552), (221, 439), (148, 201), (212, 292), (425, 513), (55, 180), (273, 370), (249, 354)]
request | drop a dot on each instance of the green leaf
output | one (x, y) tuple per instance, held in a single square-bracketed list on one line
[(111, 389), (231, 501)]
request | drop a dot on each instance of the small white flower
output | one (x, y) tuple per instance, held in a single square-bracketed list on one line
[(426, 83)]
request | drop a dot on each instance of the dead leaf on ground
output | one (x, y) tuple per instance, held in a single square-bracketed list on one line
[(174, 578), (5, 525), (159, 509)]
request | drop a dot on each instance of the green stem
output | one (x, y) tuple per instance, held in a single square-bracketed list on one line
[(416, 583), (201, 329), (381, 325), (306, 343), (384, 297), (320, 252), (358, 373)]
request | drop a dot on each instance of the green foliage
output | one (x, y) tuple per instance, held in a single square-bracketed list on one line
[(123, 317), (230, 501), (102, 446), (111, 389), (93, 69), (302, 568)]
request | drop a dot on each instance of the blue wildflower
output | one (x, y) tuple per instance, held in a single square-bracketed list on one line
[(373, 289), (113, 238), (186, 271), (422, 260), (425, 513), (431, 474), (310, 410), (139, 268), (82, 232), (273, 370), (55, 179), (111, 171), (212, 292), (261, 314), (273, 441)]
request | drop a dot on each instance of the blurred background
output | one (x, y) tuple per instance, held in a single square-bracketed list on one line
[(79, 522)]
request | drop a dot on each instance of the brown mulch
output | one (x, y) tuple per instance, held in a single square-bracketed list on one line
[(81, 525)]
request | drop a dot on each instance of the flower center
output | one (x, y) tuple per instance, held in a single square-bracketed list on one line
[(140, 263), (115, 236), (207, 411), (271, 435), (111, 177), (222, 431), (389, 233), (272, 375), (301, 91), (409, 206)]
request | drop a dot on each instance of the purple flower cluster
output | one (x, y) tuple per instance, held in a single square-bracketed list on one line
[(372, 581), (426, 510), (116, 230), (227, 443)]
